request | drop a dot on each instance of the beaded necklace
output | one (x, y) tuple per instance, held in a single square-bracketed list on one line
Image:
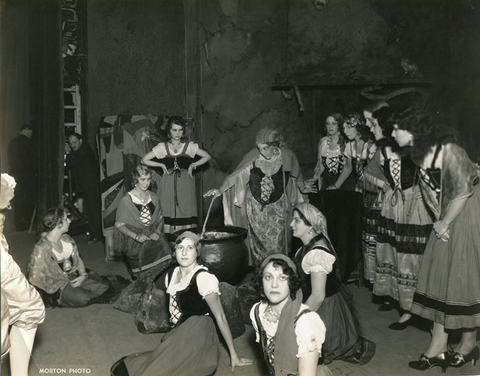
[(272, 313)]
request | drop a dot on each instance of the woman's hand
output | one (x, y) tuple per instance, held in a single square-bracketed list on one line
[(212, 192), (154, 236), (386, 187), (309, 186), (442, 230), (235, 361), (332, 188), (191, 168), (77, 282), (141, 238), (164, 168)]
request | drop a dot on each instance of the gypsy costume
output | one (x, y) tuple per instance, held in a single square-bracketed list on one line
[(447, 290), (359, 161), (263, 195), (177, 188), (297, 333), (332, 161), (192, 346), (141, 218), (51, 273), (403, 228)]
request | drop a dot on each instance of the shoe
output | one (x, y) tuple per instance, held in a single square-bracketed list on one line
[(442, 360), (400, 325), (385, 307), (457, 360)]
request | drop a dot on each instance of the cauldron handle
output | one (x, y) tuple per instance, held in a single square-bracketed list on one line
[(206, 218)]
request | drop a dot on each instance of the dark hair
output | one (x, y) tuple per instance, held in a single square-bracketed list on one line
[(358, 122), (52, 218), (302, 217), (179, 121), (75, 134), (426, 131), (339, 119), (293, 279), (26, 126), (140, 170)]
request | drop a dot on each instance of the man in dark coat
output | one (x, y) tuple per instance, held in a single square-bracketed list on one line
[(23, 159), (84, 166)]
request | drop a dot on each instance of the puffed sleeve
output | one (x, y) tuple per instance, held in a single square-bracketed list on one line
[(254, 322), (159, 150), (317, 260), (192, 149), (207, 284), (310, 331)]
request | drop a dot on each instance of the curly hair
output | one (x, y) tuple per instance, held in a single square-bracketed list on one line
[(358, 122), (426, 131), (52, 218), (179, 121), (294, 282), (140, 170)]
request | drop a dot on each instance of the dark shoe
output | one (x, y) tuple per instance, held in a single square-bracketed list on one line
[(365, 353), (399, 325), (457, 360), (442, 360), (385, 307)]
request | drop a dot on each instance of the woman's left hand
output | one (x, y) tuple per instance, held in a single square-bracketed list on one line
[(239, 362), (442, 230), (154, 236), (191, 168), (77, 282)]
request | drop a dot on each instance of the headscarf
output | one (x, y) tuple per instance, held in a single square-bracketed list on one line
[(267, 135), (188, 235), (315, 217), (280, 256)]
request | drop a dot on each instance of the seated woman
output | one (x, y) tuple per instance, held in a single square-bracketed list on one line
[(139, 226), (323, 291), (192, 346), (290, 335), (57, 269)]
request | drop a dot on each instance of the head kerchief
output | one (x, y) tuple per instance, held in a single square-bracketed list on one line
[(280, 256), (266, 135)]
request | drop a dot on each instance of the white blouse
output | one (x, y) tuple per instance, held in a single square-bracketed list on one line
[(318, 260)]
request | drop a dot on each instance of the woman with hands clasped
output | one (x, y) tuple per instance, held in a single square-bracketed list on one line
[(177, 184), (447, 290), (192, 346)]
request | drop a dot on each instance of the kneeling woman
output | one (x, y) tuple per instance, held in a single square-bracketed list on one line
[(290, 334), (57, 269), (323, 291), (192, 346)]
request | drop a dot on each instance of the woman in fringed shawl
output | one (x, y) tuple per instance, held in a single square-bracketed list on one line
[(448, 284), (323, 291), (139, 226), (290, 335), (57, 269), (260, 193)]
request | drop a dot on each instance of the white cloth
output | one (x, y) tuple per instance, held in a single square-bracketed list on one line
[(318, 260), (309, 329), (160, 150)]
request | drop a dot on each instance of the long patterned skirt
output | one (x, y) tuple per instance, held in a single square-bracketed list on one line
[(403, 230), (266, 228), (448, 290), (372, 206)]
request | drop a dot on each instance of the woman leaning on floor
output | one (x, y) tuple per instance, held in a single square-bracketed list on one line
[(448, 284)]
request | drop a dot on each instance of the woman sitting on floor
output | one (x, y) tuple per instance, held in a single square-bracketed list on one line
[(57, 270), (192, 346), (290, 335)]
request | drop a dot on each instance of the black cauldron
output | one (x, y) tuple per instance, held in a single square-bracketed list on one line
[(223, 251)]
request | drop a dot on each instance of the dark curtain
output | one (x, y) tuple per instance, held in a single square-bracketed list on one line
[(46, 97)]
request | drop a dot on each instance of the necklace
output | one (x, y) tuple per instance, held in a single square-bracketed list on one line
[(175, 148), (272, 313)]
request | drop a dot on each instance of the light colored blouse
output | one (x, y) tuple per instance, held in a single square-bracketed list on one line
[(317, 260), (160, 150)]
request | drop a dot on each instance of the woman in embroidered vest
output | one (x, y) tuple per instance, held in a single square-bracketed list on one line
[(290, 335), (57, 269), (260, 194), (448, 284), (374, 113), (330, 160), (323, 291), (192, 346), (139, 227), (177, 185), (403, 227)]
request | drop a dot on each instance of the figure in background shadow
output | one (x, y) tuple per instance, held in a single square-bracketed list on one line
[(139, 227), (290, 335), (177, 185), (192, 346), (323, 291), (86, 172), (57, 270), (23, 159), (22, 306), (261, 193), (330, 159), (447, 290)]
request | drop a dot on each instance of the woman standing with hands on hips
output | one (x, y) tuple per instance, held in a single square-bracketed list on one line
[(447, 290), (177, 185)]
